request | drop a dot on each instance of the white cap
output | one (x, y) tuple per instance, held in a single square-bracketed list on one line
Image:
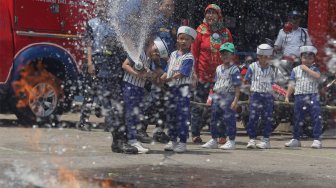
[(162, 46), (308, 49), (265, 49), (187, 30)]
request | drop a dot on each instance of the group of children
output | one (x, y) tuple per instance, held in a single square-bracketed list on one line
[(175, 81), (259, 77)]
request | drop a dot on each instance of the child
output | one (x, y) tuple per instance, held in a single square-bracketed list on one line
[(304, 81), (179, 78), (261, 76), (225, 100), (134, 82)]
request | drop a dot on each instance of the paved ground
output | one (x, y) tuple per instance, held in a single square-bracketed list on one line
[(42, 157)]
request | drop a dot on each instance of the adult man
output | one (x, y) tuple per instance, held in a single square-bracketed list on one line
[(288, 42)]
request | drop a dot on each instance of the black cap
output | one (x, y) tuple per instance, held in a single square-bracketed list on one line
[(294, 13)]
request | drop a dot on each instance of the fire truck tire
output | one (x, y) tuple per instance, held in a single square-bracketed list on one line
[(38, 96)]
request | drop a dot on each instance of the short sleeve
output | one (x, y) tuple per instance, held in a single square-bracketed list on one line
[(186, 67), (248, 74)]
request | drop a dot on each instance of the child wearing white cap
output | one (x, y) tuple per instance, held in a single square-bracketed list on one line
[(261, 76), (179, 78), (134, 79), (304, 83)]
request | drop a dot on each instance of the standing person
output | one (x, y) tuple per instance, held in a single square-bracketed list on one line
[(166, 29), (225, 99), (289, 42), (304, 83), (105, 56), (261, 77), (179, 78), (210, 35), (134, 82)]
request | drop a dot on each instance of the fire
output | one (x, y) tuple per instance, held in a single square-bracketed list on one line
[(31, 75)]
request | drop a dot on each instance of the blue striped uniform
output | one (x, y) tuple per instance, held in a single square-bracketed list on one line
[(179, 96), (306, 101), (261, 78), (304, 83), (183, 64), (134, 80), (133, 97), (261, 98), (222, 116)]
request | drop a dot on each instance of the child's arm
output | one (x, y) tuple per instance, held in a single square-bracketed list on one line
[(234, 103), (91, 68), (128, 68), (312, 73), (291, 86)]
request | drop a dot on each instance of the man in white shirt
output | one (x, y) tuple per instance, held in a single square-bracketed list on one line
[(288, 42)]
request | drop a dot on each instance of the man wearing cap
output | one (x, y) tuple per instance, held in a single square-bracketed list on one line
[(225, 99), (289, 42), (261, 77), (179, 78), (304, 83)]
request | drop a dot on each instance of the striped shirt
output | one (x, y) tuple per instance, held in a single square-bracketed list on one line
[(140, 82), (226, 79), (261, 78), (304, 83), (183, 64)]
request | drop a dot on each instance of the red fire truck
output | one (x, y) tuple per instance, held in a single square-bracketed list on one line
[(40, 53)]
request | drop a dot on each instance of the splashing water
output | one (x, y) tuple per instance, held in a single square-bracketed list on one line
[(132, 25)]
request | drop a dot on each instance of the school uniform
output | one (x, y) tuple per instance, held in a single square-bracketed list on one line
[(306, 101), (133, 96), (224, 92), (261, 98), (179, 95)]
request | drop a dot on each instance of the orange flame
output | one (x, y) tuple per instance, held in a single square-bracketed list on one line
[(31, 75)]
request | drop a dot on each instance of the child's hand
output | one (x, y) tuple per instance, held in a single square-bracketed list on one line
[(163, 78), (304, 67), (91, 69), (286, 100), (234, 106)]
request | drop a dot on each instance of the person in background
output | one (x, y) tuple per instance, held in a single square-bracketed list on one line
[(289, 40), (261, 77), (105, 56), (225, 99), (210, 35), (179, 78), (304, 83)]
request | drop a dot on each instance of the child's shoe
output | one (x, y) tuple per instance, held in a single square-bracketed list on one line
[(264, 144), (139, 146), (316, 144), (251, 144), (293, 143), (170, 146), (197, 140), (211, 144), (229, 145), (180, 147), (221, 140)]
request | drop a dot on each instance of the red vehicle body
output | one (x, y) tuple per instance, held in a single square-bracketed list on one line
[(40, 53)]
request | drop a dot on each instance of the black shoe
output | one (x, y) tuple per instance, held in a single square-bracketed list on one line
[(161, 137), (122, 147), (143, 137), (98, 112), (84, 126)]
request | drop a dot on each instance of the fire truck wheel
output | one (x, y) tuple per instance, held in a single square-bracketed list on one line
[(38, 95)]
